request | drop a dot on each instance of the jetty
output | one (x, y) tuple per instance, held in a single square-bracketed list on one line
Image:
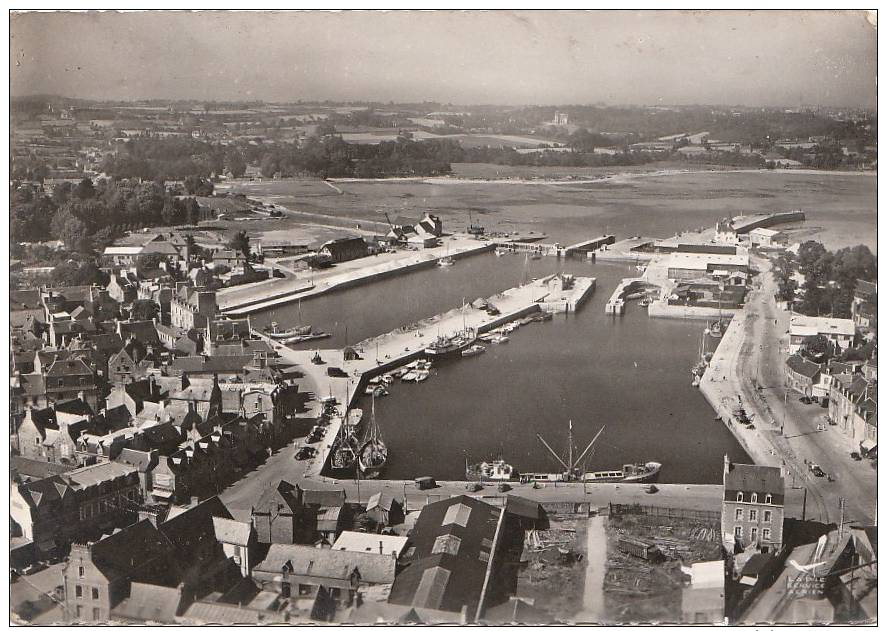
[(342, 374), (627, 289), (241, 301), (582, 249)]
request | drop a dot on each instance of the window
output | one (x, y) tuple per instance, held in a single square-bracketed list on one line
[(737, 532), (754, 498), (738, 513), (753, 515), (754, 533), (768, 516), (768, 499), (37, 441), (766, 534), (740, 497), (61, 382), (304, 590), (80, 571), (96, 613), (95, 593), (79, 611), (78, 591)]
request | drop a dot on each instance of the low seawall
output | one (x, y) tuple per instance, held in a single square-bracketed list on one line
[(659, 309), (347, 280)]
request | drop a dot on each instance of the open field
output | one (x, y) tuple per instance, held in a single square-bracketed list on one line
[(652, 200)]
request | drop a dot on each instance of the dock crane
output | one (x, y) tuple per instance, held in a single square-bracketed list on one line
[(571, 465)]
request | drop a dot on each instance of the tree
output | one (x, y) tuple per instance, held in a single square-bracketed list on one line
[(198, 186), (818, 349), (71, 274), (144, 310), (84, 190), (150, 262), (240, 243), (69, 228), (236, 163)]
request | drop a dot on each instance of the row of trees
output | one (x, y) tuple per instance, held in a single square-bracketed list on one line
[(830, 277), (87, 217)]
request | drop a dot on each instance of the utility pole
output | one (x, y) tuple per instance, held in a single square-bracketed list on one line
[(804, 509)]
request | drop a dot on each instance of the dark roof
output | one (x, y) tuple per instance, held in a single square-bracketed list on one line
[(139, 552), (142, 330), (803, 366), (74, 406), (192, 531), (283, 492), (214, 364), (523, 507), (68, 367), (752, 477), (107, 342), (323, 497), (446, 571), (35, 469), (756, 564)]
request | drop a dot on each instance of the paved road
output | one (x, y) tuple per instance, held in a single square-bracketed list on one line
[(753, 360)]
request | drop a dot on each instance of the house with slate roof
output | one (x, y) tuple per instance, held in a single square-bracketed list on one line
[(753, 507)]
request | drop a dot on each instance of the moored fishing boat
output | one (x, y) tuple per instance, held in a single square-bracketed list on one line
[(642, 472), (422, 375), (373, 454), (299, 339), (276, 334), (471, 351), (499, 339), (409, 376), (493, 471)]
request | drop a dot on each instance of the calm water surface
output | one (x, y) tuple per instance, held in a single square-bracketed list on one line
[(630, 374)]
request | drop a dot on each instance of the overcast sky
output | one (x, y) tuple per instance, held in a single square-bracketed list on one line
[(741, 58)]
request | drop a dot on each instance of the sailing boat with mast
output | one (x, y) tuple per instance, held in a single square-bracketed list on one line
[(446, 261), (373, 454), (346, 446)]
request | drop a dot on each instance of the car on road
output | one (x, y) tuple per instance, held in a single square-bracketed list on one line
[(306, 452), (314, 437)]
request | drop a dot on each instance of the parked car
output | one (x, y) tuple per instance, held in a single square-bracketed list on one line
[(817, 471), (305, 452), (806, 400), (314, 437)]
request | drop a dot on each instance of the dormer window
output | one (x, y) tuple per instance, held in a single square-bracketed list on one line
[(754, 498), (740, 497), (768, 499)]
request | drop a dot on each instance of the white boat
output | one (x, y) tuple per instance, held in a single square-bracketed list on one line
[(644, 472), (446, 261), (494, 471), (500, 252), (387, 379), (486, 337), (409, 376), (473, 350), (422, 375), (499, 339)]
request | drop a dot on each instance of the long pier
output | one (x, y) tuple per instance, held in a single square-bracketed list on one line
[(346, 275)]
